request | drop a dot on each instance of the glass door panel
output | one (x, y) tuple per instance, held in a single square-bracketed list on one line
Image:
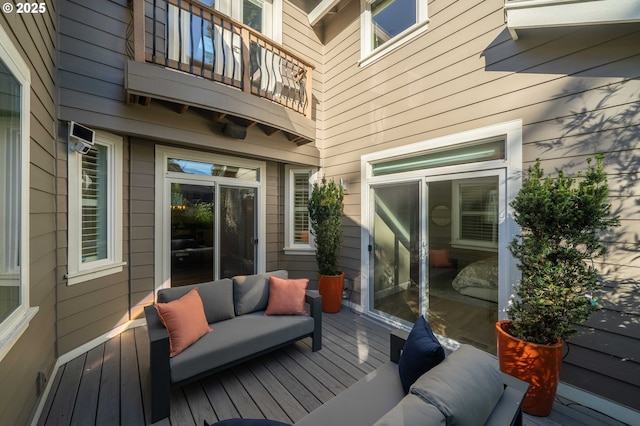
[(237, 230), (396, 251), (462, 279), (192, 234)]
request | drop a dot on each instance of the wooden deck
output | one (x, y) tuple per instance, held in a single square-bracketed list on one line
[(109, 385)]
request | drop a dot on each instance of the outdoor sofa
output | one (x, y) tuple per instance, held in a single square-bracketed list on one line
[(235, 312), (466, 388)]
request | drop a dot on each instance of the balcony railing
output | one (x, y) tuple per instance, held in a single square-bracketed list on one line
[(187, 36)]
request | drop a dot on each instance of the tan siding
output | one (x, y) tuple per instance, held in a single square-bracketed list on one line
[(33, 36), (576, 91), (91, 77)]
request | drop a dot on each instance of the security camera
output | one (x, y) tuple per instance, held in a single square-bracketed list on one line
[(81, 137)]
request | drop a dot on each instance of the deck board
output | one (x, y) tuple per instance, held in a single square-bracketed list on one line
[(132, 410), (110, 384), (109, 401), (67, 392), (87, 402)]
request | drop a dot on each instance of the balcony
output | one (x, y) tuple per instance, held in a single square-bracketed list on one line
[(193, 56), (531, 14)]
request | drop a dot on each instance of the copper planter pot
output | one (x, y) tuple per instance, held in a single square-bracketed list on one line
[(537, 364), (330, 288)]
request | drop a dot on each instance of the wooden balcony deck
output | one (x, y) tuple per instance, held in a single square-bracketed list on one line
[(109, 385)]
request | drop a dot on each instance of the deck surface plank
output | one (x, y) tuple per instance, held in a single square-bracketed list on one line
[(289, 404), (132, 410), (199, 405), (222, 405), (86, 404), (109, 401), (283, 385), (67, 392)]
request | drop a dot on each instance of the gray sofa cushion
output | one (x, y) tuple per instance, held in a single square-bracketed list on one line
[(412, 411), (464, 387), (362, 403), (217, 298), (237, 338), (251, 292)]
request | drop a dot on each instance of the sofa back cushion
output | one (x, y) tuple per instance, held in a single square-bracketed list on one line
[(217, 298), (251, 292), (464, 387)]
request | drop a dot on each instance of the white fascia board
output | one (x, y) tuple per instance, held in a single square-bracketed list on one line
[(523, 14), (321, 10)]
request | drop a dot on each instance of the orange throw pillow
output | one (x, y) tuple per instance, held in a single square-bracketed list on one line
[(185, 321), (439, 258), (286, 297)]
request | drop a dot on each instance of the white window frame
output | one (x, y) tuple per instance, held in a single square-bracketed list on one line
[(291, 247), (456, 239), (369, 55), (16, 324), (79, 272)]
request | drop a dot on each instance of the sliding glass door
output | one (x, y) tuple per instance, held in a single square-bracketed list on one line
[(209, 224), (395, 251)]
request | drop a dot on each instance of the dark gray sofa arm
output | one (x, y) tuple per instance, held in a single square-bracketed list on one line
[(397, 340), (313, 298), (160, 369)]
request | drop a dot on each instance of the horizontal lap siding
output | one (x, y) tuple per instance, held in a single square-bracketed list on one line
[(92, 54), (34, 35), (576, 91), (93, 58)]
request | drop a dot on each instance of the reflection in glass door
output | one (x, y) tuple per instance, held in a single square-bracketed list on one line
[(206, 239), (395, 251), (444, 266), (192, 234), (237, 231)]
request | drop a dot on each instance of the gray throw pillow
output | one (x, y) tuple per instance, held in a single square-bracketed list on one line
[(217, 298), (251, 292), (464, 387)]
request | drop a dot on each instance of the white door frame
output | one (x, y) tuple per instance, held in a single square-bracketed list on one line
[(511, 178), (162, 222)]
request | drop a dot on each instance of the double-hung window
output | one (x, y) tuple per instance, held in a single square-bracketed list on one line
[(15, 88), (298, 182), (95, 210), (386, 24)]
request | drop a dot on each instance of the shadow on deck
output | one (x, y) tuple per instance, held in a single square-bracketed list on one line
[(110, 384)]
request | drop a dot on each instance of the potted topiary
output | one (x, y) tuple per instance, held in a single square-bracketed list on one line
[(561, 221), (325, 214)]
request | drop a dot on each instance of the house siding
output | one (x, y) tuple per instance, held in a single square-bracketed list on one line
[(576, 91), (34, 37), (93, 57)]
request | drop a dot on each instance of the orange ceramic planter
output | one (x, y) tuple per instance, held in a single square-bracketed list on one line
[(330, 288), (539, 365)]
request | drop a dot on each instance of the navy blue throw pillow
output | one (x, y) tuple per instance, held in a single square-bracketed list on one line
[(421, 353)]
